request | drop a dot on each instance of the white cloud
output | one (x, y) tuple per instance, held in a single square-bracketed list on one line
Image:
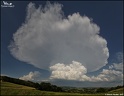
[(116, 66), (47, 38), (72, 71), (111, 67), (31, 76), (119, 62), (109, 75), (76, 71)]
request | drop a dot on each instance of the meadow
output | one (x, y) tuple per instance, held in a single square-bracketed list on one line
[(8, 88)]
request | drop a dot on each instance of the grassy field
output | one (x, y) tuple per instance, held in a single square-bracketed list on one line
[(117, 91), (15, 89)]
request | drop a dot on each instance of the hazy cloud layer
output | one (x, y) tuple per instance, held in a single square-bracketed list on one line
[(119, 62), (117, 66), (31, 76), (76, 71), (47, 38)]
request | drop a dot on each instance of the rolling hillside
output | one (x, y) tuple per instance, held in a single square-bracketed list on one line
[(15, 89), (117, 91), (8, 88)]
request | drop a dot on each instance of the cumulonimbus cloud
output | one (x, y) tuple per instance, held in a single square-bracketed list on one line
[(47, 38)]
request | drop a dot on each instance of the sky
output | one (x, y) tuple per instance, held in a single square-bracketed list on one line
[(67, 43)]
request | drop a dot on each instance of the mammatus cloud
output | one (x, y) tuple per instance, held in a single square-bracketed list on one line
[(76, 71), (31, 76), (47, 38)]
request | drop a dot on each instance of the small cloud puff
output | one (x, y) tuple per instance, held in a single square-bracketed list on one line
[(31, 76)]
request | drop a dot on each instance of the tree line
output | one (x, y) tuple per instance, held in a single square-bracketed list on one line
[(91, 90)]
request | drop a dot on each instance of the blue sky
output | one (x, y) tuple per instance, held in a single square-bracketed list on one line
[(52, 51)]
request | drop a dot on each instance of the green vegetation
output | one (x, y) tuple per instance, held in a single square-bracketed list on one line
[(8, 88), (5, 85), (44, 86), (117, 91), (15, 89), (13, 86)]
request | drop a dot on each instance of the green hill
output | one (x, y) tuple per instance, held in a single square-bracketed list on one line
[(117, 91), (8, 88), (15, 89), (6, 85)]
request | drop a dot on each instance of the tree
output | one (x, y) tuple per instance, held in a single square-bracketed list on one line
[(101, 90)]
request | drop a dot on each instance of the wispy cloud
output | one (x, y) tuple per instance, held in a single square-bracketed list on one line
[(3, 75), (116, 66), (119, 56)]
